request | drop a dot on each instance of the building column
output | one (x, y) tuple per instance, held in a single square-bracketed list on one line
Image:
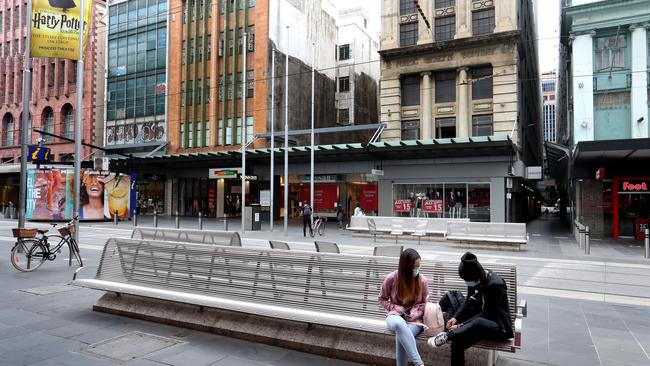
[(463, 121), (639, 92), (463, 19), (583, 85), (426, 106), (221, 197)]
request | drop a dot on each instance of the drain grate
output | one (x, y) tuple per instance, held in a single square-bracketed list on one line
[(48, 290), (129, 346)]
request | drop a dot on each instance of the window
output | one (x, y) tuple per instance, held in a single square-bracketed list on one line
[(445, 128), (611, 53), (7, 21), (408, 34), (344, 84), (208, 41), (483, 21), (482, 83), (344, 52), (410, 86), (8, 130), (548, 86), (251, 39), (47, 123), (407, 7), (220, 87), (482, 125), (410, 130), (445, 28), (250, 83), (1, 19), (207, 90), (445, 3), (238, 85), (446, 87), (183, 96), (68, 121), (16, 17), (344, 116)]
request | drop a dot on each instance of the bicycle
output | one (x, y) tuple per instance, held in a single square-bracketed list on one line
[(30, 252), (318, 226)]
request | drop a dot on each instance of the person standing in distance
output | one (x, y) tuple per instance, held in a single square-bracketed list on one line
[(404, 295), (306, 220), (485, 315)]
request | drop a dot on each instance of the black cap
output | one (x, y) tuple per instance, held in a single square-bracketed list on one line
[(469, 268)]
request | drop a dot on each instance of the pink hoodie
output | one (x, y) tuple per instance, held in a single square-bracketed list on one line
[(388, 298)]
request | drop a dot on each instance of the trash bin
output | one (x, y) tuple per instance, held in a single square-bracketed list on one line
[(253, 219), (639, 227)]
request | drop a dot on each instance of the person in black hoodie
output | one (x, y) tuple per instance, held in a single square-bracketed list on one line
[(485, 315)]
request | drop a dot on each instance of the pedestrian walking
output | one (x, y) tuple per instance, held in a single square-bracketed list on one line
[(340, 216), (485, 315), (404, 295), (306, 220)]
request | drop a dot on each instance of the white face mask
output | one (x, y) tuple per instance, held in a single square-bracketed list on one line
[(416, 271), (471, 283)]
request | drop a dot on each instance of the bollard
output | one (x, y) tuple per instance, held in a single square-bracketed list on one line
[(587, 244), (646, 254), (200, 221), (135, 218), (177, 221), (225, 222), (582, 236), (115, 217), (155, 218)]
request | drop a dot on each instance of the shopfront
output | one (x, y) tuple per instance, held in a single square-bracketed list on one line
[(150, 194), (631, 206)]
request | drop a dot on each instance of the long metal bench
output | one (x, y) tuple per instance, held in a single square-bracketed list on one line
[(230, 238), (511, 233), (383, 224), (319, 289)]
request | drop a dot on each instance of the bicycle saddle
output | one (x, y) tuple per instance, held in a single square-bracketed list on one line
[(42, 231)]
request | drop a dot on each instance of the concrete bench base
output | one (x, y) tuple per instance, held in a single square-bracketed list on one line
[(341, 343), (440, 239)]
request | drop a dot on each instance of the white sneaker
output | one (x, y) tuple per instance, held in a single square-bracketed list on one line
[(438, 340)]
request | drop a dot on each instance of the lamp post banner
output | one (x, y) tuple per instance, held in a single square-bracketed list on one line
[(55, 28)]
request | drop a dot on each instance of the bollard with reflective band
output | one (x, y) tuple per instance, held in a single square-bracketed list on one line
[(225, 222), (135, 218), (115, 217), (155, 218), (587, 242), (177, 221), (200, 221)]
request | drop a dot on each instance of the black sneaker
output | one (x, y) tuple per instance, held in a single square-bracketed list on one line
[(438, 340)]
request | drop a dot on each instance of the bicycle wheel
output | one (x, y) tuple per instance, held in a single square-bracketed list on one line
[(28, 254), (65, 249), (321, 229), (75, 251)]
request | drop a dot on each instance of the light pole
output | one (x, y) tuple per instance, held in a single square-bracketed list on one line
[(78, 122), (286, 140), (272, 135), (243, 138), (311, 170), (24, 131)]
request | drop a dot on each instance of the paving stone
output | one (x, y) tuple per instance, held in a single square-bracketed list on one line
[(128, 346)]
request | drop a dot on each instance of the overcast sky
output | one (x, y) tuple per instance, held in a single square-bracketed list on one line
[(548, 18)]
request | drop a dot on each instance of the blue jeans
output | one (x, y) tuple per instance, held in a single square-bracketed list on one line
[(405, 344)]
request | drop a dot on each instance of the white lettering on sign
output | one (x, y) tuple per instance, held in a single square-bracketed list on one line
[(627, 186)]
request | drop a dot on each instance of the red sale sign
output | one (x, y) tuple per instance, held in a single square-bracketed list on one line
[(402, 205), (433, 206)]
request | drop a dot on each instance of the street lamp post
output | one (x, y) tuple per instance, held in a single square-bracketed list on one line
[(286, 140), (272, 136), (243, 138), (24, 131), (78, 122)]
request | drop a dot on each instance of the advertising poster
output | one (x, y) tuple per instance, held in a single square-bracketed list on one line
[(55, 28), (369, 200), (117, 195), (47, 195), (433, 206), (402, 205)]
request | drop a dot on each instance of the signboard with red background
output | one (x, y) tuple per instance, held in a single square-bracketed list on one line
[(433, 206), (402, 205), (369, 198)]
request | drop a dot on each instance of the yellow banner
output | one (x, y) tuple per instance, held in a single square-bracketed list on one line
[(55, 28)]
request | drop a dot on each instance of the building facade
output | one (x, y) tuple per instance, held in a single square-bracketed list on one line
[(53, 98), (549, 86), (464, 70), (605, 68)]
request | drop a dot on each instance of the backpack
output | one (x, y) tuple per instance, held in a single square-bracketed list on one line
[(450, 303), (306, 211)]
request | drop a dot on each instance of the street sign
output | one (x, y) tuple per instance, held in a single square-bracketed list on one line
[(377, 172), (39, 154)]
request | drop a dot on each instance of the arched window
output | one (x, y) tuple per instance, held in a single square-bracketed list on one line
[(8, 130), (47, 124), (68, 121)]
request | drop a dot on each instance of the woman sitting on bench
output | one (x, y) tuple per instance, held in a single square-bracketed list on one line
[(404, 295)]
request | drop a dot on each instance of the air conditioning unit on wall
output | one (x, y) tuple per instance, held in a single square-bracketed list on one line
[(101, 163)]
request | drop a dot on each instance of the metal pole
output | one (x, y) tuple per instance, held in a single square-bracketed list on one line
[(135, 218), (286, 141), (24, 130), (272, 136), (78, 128), (177, 222), (155, 218), (311, 150), (115, 217), (200, 221), (646, 253), (243, 137), (225, 222), (587, 244)]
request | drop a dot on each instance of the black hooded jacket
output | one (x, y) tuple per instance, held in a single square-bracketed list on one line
[(489, 300)]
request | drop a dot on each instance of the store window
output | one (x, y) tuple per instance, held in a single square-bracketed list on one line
[(448, 200), (445, 128), (478, 202), (410, 130)]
